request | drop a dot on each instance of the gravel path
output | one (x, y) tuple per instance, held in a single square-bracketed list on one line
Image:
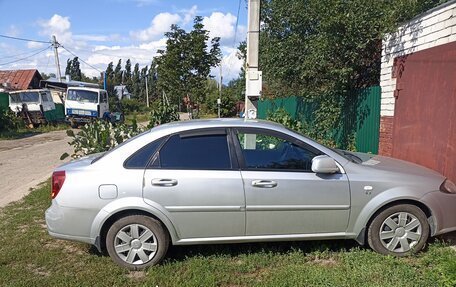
[(26, 162)]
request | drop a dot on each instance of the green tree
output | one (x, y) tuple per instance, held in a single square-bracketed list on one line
[(323, 49), (127, 75), (135, 81), (185, 65), (118, 73), (73, 68)]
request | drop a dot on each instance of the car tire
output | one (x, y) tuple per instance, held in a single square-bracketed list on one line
[(399, 230), (137, 241)]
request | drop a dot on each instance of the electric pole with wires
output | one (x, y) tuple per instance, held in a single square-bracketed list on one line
[(253, 76), (56, 45)]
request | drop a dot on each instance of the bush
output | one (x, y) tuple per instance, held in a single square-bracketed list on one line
[(9, 121), (132, 105), (99, 136), (163, 113), (282, 117)]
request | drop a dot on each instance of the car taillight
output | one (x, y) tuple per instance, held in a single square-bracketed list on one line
[(58, 178)]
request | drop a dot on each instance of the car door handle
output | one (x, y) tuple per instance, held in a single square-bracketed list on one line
[(264, 183), (164, 182)]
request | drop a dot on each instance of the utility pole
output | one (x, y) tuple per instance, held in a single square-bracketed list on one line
[(56, 45), (147, 92), (219, 100), (253, 76)]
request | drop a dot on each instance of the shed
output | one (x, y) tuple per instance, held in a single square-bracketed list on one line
[(20, 79)]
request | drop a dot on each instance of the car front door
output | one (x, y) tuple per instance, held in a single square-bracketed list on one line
[(195, 177), (283, 195)]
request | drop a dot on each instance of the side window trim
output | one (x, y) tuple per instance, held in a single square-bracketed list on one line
[(249, 130)]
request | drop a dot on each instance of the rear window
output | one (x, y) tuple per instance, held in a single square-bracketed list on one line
[(141, 158)]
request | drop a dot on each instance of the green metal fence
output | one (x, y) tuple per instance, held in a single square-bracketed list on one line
[(4, 101), (360, 116)]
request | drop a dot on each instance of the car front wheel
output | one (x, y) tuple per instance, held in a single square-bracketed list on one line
[(399, 230), (137, 241)]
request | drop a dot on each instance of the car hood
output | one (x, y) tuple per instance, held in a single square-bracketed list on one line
[(389, 164)]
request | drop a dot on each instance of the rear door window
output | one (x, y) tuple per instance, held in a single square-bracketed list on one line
[(197, 152)]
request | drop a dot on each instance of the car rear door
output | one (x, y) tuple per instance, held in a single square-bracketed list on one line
[(283, 195), (195, 177)]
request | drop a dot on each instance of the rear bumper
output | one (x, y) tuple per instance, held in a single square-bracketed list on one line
[(443, 208), (69, 223)]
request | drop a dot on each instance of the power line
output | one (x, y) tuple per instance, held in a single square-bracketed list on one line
[(25, 58), (237, 23), (24, 39), (80, 58), (20, 54)]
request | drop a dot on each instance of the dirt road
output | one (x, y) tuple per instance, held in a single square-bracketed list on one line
[(24, 163)]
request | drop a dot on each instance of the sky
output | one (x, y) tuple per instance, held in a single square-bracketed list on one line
[(101, 31)]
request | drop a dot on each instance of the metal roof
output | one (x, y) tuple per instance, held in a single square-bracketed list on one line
[(18, 79)]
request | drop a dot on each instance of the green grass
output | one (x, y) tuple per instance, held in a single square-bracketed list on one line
[(25, 132), (30, 257)]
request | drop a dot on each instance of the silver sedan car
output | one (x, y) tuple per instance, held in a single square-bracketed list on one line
[(229, 181)]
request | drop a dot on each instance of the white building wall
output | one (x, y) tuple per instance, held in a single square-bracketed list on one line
[(433, 28)]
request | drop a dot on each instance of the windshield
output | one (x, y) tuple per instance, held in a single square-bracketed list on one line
[(343, 153), (25, 97), (82, 96)]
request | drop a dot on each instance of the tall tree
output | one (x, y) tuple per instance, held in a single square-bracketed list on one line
[(136, 81), (127, 75), (118, 73), (73, 68), (313, 46), (184, 66)]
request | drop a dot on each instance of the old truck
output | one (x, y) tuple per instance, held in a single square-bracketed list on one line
[(34, 106), (83, 105)]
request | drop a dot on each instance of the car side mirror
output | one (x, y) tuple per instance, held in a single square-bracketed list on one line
[(324, 164)]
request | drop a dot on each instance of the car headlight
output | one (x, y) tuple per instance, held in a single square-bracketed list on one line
[(448, 187)]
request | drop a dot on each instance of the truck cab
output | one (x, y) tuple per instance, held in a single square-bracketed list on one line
[(32, 105), (83, 105)]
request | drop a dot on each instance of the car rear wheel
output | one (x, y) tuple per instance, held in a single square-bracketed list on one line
[(137, 241), (399, 230)]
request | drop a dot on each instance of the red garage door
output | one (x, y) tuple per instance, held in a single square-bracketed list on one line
[(425, 110)]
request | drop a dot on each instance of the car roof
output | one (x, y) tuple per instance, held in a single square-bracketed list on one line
[(231, 122)]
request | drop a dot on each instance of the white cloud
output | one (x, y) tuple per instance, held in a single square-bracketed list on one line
[(189, 14), (231, 65), (220, 25), (98, 50), (159, 25), (59, 26), (97, 38), (34, 45)]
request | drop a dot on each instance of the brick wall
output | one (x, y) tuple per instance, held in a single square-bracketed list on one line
[(386, 136)]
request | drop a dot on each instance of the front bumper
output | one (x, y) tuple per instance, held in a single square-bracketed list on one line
[(443, 208), (69, 223)]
